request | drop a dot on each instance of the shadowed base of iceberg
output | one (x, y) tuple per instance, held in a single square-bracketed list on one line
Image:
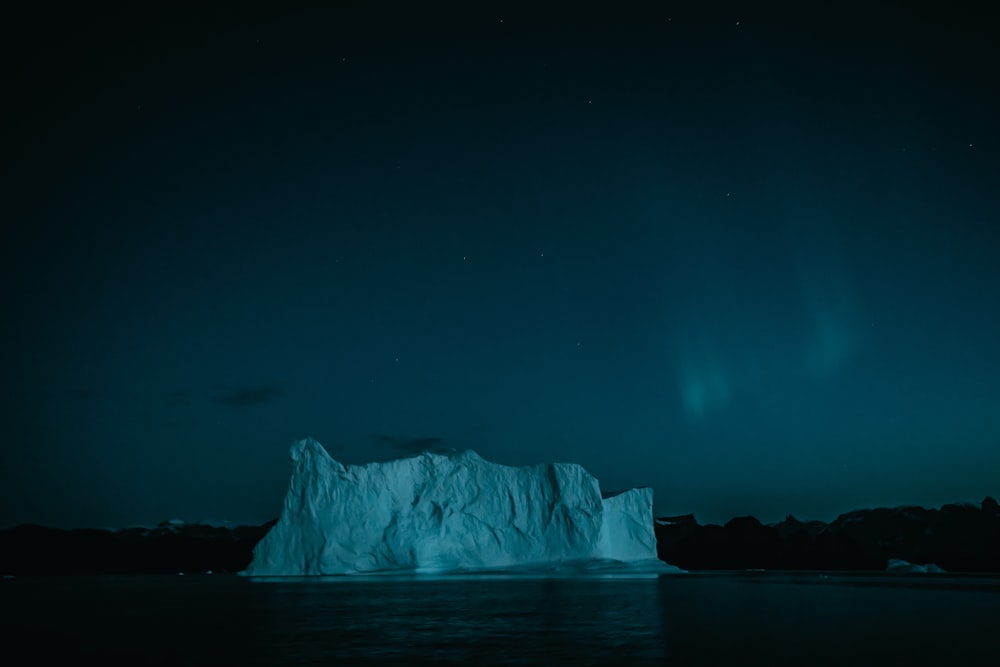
[(573, 569), (588, 566)]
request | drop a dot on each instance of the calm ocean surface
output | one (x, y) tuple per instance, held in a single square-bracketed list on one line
[(678, 619)]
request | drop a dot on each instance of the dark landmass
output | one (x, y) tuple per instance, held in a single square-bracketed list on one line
[(169, 548), (956, 538)]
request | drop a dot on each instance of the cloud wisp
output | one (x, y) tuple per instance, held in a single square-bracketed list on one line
[(248, 396)]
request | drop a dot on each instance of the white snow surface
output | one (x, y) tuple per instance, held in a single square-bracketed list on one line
[(449, 512)]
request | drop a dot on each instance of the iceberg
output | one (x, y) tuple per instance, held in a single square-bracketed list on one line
[(900, 565), (447, 512)]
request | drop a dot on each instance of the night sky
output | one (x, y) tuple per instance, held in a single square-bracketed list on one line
[(748, 258)]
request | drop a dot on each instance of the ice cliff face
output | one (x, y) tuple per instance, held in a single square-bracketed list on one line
[(441, 512)]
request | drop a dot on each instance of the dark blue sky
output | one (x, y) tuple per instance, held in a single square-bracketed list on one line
[(748, 258)]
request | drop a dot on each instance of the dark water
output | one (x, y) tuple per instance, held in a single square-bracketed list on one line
[(685, 619)]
